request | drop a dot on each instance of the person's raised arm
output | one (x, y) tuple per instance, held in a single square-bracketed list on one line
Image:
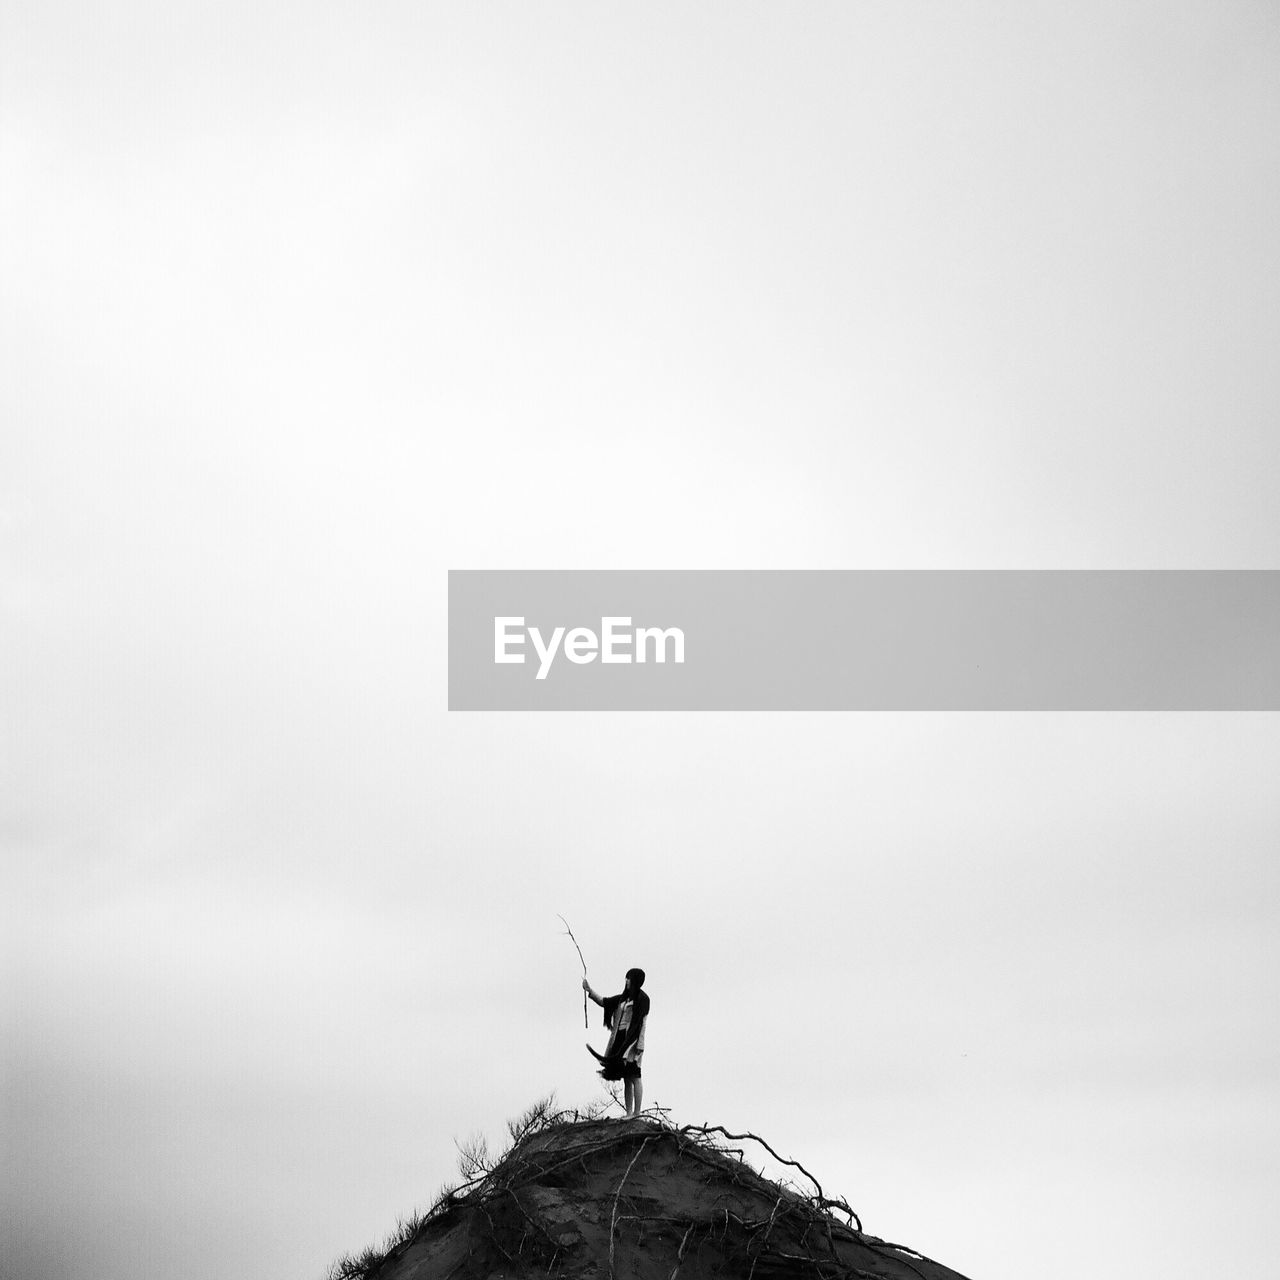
[(598, 999)]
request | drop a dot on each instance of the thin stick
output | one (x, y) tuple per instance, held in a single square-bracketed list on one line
[(585, 1021), (675, 1271), (613, 1220)]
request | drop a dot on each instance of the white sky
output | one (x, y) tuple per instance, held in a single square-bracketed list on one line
[(305, 305)]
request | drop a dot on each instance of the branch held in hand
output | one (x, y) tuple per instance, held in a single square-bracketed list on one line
[(585, 1020)]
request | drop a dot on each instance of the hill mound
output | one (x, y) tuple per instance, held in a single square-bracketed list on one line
[(602, 1199)]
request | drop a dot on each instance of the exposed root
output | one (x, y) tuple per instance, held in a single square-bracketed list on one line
[(613, 1218), (795, 1234)]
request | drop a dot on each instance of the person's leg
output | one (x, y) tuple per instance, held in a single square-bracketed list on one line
[(637, 1092), (628, 1088)]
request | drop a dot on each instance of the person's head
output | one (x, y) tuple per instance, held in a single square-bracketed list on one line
[(635, 979)]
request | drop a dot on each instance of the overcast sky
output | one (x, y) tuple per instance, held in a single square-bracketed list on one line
[(304, 305)]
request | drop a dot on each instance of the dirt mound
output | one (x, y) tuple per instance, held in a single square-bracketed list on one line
[(598, 1199)]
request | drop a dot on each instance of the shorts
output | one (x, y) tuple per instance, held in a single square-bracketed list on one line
[(631, 1071)]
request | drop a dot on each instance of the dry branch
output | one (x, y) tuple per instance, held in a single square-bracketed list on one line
[(684, 1241), (613, 1221), (586, 1022), (751, 1137)]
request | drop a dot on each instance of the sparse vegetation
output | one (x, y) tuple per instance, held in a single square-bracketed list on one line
[(476, 1162), (570, 1192)]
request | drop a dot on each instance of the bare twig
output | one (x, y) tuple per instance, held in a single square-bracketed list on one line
[(898, 1252), (586, 1022), (613, 1220), (675, 1271), (764, 1239)]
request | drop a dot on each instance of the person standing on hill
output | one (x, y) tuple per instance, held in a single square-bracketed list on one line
[(625, 1016)]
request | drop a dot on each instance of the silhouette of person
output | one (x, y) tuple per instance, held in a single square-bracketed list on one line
[(625, 1016)]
